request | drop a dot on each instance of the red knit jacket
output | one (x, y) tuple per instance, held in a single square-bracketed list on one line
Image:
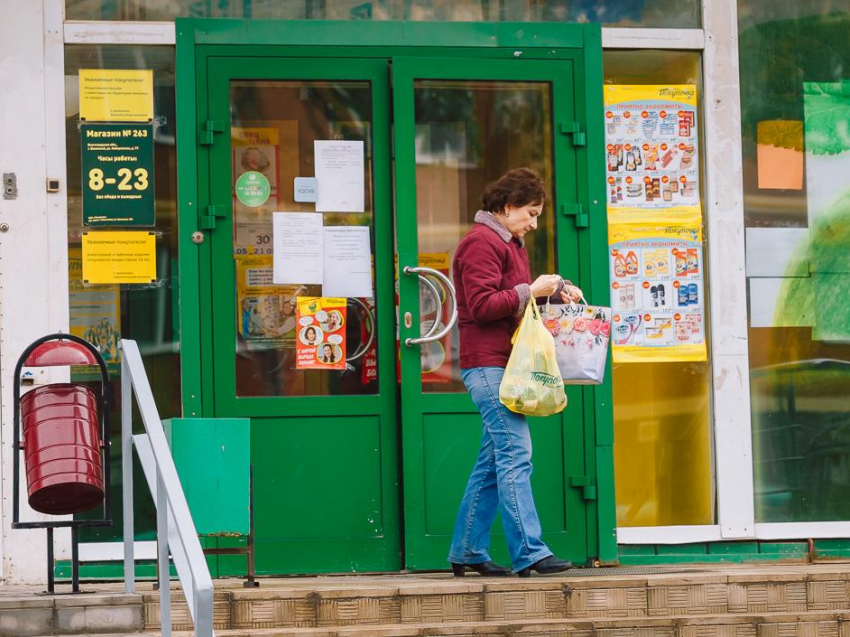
[(492, 277)]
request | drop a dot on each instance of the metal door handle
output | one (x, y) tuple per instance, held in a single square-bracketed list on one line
[(432, 287), (370, 317), (451, 294)]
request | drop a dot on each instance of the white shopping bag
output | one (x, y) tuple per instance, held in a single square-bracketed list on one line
[(582, 333)]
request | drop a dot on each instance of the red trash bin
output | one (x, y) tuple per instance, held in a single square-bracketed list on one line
[(62, 448), (60, 427)]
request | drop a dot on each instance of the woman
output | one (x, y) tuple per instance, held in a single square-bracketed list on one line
[(328, 357), (493, 281), (310, 336)]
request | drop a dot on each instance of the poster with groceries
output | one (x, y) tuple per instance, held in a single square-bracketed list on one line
[(652, 153), (657, 292), (320, 343)]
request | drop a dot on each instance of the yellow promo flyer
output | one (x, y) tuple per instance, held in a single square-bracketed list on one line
[(267, 312), (321, 333), (652, 152), (657, 292)]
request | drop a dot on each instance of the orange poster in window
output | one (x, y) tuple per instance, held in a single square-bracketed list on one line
[(321, 333)]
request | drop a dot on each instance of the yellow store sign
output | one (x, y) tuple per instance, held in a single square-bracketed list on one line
[(108, 95), (119, 257)]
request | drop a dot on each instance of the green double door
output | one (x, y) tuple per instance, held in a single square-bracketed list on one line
[(360, 466)]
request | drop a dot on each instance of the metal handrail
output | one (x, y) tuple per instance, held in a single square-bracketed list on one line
[(174, 526)]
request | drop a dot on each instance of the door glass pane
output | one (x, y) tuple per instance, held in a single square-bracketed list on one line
[(467, 135), (274, 125), (663, 461), (795, 105)]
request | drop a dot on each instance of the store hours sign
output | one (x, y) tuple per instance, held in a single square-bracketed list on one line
[(117, 174)]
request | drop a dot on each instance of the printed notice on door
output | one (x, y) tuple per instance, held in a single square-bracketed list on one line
[(651, 150), (119, 257), (112, 95), (297, 240), (347, 262), (657, 292), (340, 176)]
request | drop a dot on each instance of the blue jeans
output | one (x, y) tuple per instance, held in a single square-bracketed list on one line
[(500, 480)]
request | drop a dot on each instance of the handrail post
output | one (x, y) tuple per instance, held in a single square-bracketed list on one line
[(162, 477), (162, 549), (204, 612), (127, 475)]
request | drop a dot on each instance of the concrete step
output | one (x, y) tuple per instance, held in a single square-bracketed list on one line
[(810, 624), (410, 600), (755, 601)]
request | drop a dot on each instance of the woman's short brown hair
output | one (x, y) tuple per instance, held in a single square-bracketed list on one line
[(518, 187)]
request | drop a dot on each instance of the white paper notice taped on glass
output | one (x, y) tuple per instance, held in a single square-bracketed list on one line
[(297, 240), (348, 262), (340, 176)]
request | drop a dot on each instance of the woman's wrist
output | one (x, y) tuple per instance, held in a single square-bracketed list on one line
[(523, 291)]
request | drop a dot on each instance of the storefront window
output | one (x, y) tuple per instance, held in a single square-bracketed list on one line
[(620, 13), (795, 99), (662, 404), (145, 313)]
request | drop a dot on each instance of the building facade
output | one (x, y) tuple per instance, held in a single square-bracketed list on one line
[(695, 154)]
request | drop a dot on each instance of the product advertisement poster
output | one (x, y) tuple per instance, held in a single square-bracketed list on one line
[(320, 343), (95, 312), (266, 317), (657, 292), (254, 162), (262, 178), (652, 152)]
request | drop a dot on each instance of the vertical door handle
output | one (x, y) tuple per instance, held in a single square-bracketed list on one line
[(435, 293), (450, 289)]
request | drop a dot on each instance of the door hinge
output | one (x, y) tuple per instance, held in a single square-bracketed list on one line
[(207, 221), (588, 490), (210, 128), (576, 210), (574, 129)]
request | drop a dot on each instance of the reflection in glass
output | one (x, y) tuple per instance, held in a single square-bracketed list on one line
[(274, 125), (795, 100), (646, 13), (467, 135)]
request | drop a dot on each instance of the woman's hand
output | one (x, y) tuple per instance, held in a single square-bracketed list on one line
[(572, 294), (545, 285)]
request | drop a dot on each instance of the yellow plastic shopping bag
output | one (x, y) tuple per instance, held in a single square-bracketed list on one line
[(532, 384)]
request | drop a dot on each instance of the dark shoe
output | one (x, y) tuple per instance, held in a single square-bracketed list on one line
[(547, 566), (485, 569)]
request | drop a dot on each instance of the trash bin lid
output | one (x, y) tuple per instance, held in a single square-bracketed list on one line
[(56, 353)]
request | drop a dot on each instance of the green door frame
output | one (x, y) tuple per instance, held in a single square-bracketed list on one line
[(200, 40)]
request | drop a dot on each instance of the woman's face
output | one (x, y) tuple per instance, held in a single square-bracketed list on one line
[(521, 220), (310, 333)]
